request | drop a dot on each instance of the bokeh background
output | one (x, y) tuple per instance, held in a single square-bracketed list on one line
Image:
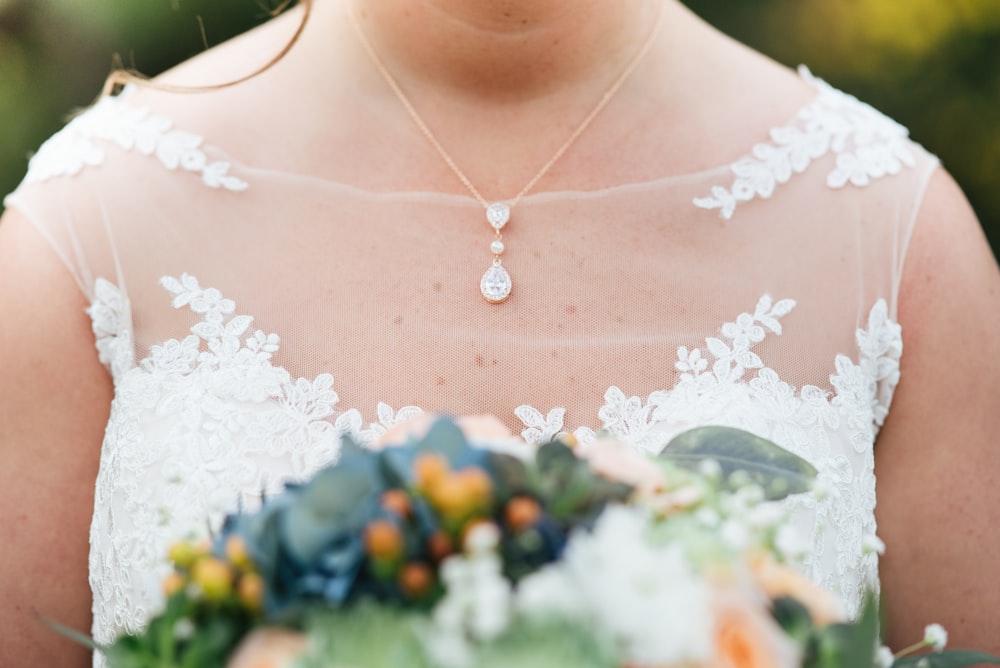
[(934, 65)]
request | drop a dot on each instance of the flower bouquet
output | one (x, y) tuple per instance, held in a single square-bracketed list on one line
[(434, 551)]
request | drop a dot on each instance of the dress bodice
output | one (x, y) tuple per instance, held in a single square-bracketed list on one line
[(249, 317)]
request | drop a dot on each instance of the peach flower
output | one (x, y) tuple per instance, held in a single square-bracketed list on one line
[(481, 428), (777, 580), (268, 648), (618, 461), (746, 636)]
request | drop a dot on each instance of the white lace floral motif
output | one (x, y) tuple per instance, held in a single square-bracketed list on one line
[(868, 145), (207, 422), (78, 145)]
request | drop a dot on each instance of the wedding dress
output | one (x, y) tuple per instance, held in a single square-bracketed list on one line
[(250, 316)]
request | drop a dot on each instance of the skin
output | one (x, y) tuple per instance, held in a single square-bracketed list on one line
[(527, 66), (54, 403)]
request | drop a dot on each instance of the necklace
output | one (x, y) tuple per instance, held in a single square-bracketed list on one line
[(496, 283)]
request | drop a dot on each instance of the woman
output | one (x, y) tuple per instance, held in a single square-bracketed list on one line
[(688, 223)]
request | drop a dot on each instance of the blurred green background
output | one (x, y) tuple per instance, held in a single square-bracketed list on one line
[(934, 65)]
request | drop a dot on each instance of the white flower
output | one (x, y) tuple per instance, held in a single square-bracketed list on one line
[(550, 590), (482, 538), (477, 600), (872, 543), (183, 629), (884, 657), (935, 636), (625, 581), (790, 542), (735, 534), (446, 647), (711, 469)]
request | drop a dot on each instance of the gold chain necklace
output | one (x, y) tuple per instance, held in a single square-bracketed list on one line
[(496, 283)]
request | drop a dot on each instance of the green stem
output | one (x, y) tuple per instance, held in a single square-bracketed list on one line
[(911, 649)]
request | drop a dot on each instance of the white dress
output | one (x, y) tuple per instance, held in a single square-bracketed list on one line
[(227, 306)]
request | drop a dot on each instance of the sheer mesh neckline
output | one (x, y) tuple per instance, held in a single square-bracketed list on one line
[(536, 195)]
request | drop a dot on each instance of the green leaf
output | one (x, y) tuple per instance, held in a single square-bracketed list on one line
[(953, 658), (556, 456), (444, 437), (339, 499), (777, 471), (850, 645), (793, 618)]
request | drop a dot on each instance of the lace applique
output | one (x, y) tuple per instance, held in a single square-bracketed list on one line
[(543, 428), (77, 146), (111, 320), (208, 422), (713, 388), (868, 146)]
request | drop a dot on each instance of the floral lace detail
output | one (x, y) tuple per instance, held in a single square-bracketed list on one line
[(78, 145), (713, 388), (868, 146), (208, 422), (111, 321)]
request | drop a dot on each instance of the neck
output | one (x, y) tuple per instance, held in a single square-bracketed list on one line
[(502, 50)]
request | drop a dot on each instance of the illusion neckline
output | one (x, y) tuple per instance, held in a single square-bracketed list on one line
[(246, 170)]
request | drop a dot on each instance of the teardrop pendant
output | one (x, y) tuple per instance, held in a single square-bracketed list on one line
[(496, 284)]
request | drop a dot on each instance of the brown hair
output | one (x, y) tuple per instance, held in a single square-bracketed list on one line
[(122, 76)]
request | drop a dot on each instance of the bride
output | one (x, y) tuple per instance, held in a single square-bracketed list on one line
[(597, 215)]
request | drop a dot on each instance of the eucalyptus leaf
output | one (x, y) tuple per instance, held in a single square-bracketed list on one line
[(444, 437), (340, 499), (777, 471), (953, 658), (848, 645), (556, 456), (793, 618)]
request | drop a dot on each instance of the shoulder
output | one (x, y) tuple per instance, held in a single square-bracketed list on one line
[(936, 459)]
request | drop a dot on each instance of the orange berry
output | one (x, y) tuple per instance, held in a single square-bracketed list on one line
[(478, 484), (383, 540), (450, 496), (569, 440), (416, 579), (428, 469), (397, 501), (173, 583), (250, 590), (214, 576), (440, 546), (521, 512)]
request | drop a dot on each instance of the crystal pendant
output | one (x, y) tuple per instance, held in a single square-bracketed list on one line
[(496, 284), (497, 214)]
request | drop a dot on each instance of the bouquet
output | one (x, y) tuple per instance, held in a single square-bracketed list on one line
[(437, 551)]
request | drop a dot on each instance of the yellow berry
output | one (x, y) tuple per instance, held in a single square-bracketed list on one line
[(429, 469), (450, 496), (478, 485), (250, 590), (236, 552), (214, 576), (182, 554)]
